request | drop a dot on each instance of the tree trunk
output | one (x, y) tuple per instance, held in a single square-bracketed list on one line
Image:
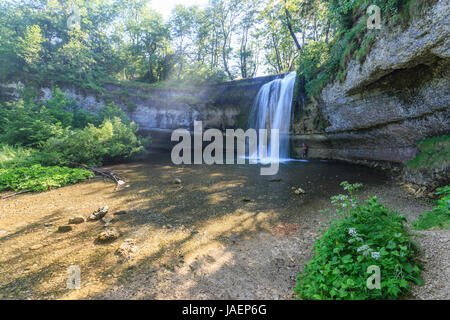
[(289, 25)]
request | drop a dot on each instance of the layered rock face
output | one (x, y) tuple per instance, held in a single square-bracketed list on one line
[(397, 97)]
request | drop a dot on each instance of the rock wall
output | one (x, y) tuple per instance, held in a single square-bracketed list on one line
[(397, 97)]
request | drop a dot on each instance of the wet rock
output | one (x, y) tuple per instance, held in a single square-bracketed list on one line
[(108, 235), (65, 228), (99, 213), (299, 191), (76, 220), (176, 181)]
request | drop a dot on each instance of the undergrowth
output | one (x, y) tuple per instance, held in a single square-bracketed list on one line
[(38, 178), (439, 217), (433, 153), (361, 236)]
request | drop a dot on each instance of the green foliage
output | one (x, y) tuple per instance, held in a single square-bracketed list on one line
[(32, 124), (364, 235), (440, 215), (313, 56), (57, 132), (12, 157), (37, 178), (113, 141), (433, 153)]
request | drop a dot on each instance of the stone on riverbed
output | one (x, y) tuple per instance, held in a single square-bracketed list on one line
[(108, 235), (99, 213), (177, 181), (76, 220), (65, 228)]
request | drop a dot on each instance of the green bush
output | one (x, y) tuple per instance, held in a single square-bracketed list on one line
[(11, 157), (61, 133), (31, 124), (111, 142), (28, 125), (55, 133), (37, 178), (364, 235), (439, 216)]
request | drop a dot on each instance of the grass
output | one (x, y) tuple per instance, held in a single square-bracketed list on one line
[(434, 153), (439, 217), (11, 157)]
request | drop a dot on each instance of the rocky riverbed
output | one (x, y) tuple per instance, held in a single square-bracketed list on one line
[(192, 232)]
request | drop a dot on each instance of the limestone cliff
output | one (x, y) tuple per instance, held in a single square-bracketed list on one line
[(397, 97)]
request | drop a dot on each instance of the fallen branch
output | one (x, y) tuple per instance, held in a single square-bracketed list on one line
[(106, 173), (13, 194)]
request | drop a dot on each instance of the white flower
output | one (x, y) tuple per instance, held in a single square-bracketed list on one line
[(352, 232), (375, 255), (363, 248)]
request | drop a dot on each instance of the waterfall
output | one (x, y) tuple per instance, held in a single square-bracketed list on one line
[(272, 110)]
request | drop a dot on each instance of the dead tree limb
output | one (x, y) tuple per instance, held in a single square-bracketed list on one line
[(107, 174), (13, 194)]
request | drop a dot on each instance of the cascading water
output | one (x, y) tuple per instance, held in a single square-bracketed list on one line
[(272, 110)]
